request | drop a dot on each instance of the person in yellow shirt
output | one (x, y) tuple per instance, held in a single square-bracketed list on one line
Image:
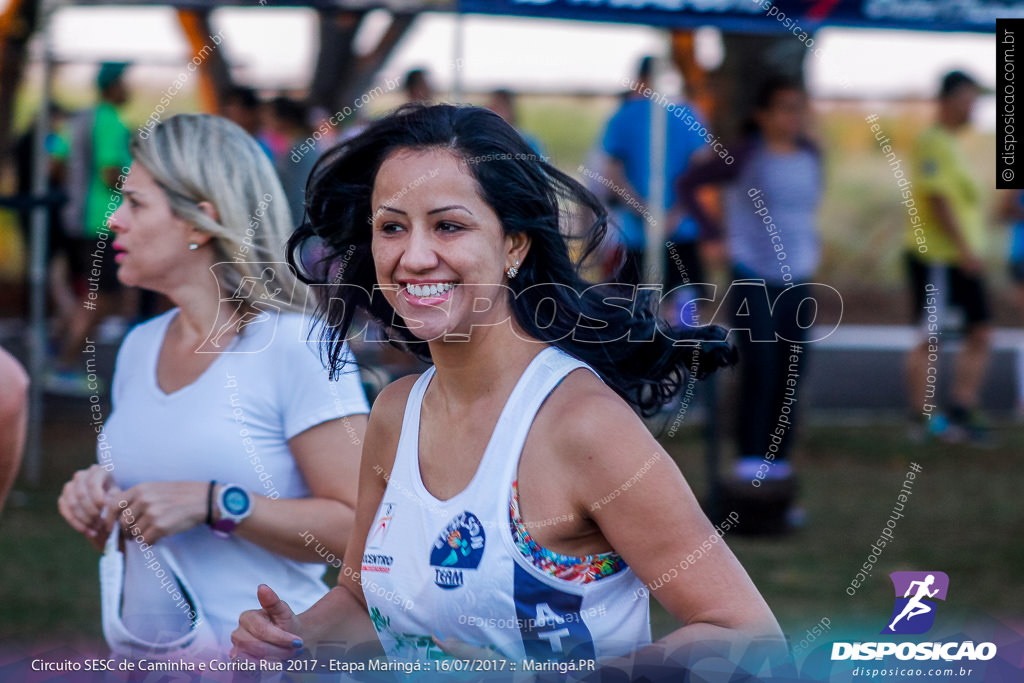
[(945, 244)]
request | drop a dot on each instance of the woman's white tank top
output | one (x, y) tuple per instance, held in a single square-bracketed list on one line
[(451, 568)]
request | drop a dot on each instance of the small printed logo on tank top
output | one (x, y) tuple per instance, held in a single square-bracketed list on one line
[(376, 562), (459, 547), (381, 525)]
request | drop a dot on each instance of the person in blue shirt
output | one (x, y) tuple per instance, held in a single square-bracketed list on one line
[(627, 144), (1012, 210)]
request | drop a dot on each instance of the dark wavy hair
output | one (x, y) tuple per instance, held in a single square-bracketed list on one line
[(637, 354), (764, 98)]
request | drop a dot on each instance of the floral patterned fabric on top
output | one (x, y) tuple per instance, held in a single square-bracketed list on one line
[(565, 567)]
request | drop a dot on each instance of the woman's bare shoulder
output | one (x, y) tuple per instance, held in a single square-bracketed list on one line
[(585, 421)]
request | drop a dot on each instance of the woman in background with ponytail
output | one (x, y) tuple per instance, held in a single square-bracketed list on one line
[(511, 501)]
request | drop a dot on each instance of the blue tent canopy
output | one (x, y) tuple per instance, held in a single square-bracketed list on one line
[(764, 16)]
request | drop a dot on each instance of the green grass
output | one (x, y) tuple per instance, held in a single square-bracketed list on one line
[(49, 576), (964, 517), (567, 127)]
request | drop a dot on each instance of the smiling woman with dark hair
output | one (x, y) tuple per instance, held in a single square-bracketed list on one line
[(511, 501)]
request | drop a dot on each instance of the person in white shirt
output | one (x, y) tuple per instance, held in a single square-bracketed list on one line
[(229, 447)]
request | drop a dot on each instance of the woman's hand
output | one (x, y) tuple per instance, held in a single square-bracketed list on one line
[(461, 650), (86, 502), (162, 508), (268, 633)]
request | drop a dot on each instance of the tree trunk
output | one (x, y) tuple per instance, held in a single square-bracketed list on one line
[(214, 72), (17, 23), (335, 59), (749, 61), (342, 76), (696, 79)]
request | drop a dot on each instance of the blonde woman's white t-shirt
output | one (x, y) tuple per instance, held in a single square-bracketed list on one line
[(231, 425)]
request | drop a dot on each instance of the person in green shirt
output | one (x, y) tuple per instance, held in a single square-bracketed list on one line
[(97, 159), (945, 244)]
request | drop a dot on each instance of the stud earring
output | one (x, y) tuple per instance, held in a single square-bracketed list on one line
[(192, 246), (512, 271)]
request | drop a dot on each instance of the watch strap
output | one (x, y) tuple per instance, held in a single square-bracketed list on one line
[(228, 521), (209, 502)]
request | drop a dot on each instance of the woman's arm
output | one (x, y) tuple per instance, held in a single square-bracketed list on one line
[(13, 414), (631, 199), (707, 170), (341, 615), (681, 559), (328, 457)]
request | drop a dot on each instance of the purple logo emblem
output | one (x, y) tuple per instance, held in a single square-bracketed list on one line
[(914, 611)]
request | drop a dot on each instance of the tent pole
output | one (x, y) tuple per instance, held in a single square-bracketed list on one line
[(39, 237), (654, 229), (458, 52)]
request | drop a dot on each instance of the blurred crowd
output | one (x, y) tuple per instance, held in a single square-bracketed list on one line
[(748, 206)]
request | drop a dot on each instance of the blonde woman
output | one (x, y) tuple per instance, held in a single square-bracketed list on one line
[(229, 447)]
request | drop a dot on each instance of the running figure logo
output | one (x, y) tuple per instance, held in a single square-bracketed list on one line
[(380, 528), (252, 301), (914, 611)]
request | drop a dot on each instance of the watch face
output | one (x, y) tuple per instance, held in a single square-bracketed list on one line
[(236, 501)]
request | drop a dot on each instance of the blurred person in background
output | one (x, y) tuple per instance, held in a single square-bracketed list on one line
[(612, 253), (13, 420), (217, 456), (503, 103), (97, 152), (242, 105), (289, 120), (1011, 209), (323, 122), (771, 195), (627, 141), (275, 139), (417, 87), (58, 245), (945, 268)]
